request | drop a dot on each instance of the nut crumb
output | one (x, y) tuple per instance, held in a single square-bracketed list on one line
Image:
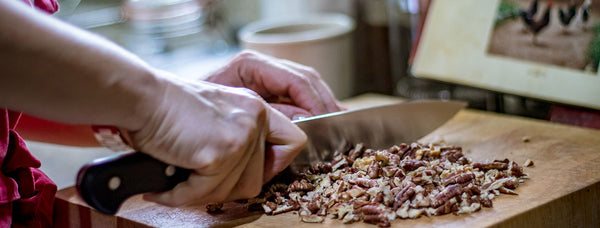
[(526, 139), (528, 163)]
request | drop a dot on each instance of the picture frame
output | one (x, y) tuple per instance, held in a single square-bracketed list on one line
[(454, 48)]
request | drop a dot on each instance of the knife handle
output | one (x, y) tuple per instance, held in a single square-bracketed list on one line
[(105, 183)]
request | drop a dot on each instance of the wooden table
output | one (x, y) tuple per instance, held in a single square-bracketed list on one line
[(564, 189)]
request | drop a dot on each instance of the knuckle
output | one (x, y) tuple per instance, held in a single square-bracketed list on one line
[(208, 163), (245, 54), (253, 93)]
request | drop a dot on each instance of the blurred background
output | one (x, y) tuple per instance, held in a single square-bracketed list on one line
[(373, 41)]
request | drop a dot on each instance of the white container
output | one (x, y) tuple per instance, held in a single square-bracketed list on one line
[(321, 41)]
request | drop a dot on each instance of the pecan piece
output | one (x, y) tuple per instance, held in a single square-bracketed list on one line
[(458, 179), (490, 165), (380, 220), (452, 154), (356, 151), (320, 168), (301, 185), (448, 193), (373, 170), (404, 195), (269, 207), (390, 171), (410, 165), (365, 183)]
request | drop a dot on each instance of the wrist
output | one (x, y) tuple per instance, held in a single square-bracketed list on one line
[(148, 93)]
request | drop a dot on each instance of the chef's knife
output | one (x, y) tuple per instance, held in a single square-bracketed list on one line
[(105, 183)]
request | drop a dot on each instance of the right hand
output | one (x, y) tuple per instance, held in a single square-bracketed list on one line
[(220, 133)]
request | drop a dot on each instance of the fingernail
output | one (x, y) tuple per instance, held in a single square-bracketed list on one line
[(299, 116)]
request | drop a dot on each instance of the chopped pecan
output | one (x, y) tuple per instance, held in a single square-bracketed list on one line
[(515, 169), (344, 197), (404, 195), (448, 192), (365, 183), (356, 152), (379, 220), (410, 165), (369, 152), (269, 207), (373, 170), (356, 191), (301, 185), (383, 157), (458, 179), (390, 171), (486, 202), (378, 198), (394, 149), (358, 203), (405, 181), (490, 165), (507, 191), (511, 184), (287, 206), (313, 207), (320, 168)]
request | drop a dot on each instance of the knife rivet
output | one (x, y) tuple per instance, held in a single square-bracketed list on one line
[(170, 171), (114, 183)]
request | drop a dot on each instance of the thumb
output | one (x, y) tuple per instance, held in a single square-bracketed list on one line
[(285, 140)]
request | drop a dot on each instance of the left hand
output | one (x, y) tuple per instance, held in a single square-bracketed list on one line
[(293, 89)]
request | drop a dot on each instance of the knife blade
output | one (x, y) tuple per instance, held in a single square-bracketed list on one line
[(106, 183)]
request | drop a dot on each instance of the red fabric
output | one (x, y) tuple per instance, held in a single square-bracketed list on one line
[(48, 6), (26, 193)]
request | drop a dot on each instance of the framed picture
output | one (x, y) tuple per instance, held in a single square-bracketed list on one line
[(541, 49)]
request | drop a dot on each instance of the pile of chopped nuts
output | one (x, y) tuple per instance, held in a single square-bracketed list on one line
[(405, 181)]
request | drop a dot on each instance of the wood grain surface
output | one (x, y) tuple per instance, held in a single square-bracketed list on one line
[(564, 189)]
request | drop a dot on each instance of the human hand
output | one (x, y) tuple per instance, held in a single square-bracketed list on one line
[(220, 133), (293, 89)]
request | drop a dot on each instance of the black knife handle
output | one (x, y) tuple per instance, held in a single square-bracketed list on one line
[(105, 183)]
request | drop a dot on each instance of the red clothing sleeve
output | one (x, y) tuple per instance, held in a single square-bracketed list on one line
[(26, 193), (48, 6)]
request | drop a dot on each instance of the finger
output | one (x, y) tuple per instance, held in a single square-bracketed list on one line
[(316, 81), (242, 184), (202, 186), (251, 180), (198, 189), (269, 77), (286, 140), (292, 112)]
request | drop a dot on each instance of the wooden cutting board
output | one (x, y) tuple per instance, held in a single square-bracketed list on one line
[(564, 189)]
